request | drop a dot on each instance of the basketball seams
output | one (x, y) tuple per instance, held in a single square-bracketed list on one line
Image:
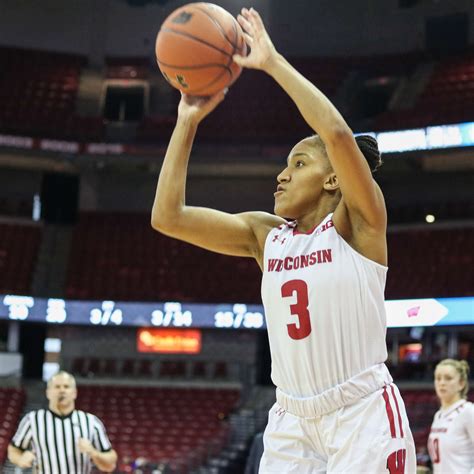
[(195, 38), (199, 66), (234, 43), (221, 29), (217, 78)]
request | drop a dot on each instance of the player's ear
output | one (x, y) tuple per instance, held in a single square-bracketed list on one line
[(331, 183)]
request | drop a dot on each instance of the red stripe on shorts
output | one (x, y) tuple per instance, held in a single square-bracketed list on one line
[(398, 411), (389, 412)]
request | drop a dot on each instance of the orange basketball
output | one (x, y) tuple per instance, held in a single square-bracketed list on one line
[(194, 48)]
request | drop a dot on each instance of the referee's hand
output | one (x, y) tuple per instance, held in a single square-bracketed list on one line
[(85, 446), (26, 459)]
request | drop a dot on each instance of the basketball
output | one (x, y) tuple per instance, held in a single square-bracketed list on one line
[(194, 48)]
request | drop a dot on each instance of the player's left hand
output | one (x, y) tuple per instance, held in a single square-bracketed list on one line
[(262, 51), (196, 108), (85, 446)]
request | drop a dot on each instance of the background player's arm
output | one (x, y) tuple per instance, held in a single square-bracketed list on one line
[(233, 234), (361, 195), (20, 458)]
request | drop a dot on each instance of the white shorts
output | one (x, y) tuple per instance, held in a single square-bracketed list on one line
[(370, 436)]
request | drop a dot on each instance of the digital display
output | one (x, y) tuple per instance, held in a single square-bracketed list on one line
[(400, 313), (428, 138), (169, 341)]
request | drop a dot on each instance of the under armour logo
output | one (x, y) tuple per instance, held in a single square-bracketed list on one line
[(182, 18), (282, 241)]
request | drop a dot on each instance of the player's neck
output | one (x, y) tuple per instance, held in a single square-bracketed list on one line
[(313, 218), (445, 404)]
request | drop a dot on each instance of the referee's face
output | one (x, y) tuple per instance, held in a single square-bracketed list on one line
[(61, 392)]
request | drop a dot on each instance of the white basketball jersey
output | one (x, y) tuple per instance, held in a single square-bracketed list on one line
[(324, 306), (451, 440)]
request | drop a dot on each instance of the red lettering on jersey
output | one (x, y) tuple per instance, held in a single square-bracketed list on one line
[(327, 256), (300, 261), (272, 264), (396, 462)]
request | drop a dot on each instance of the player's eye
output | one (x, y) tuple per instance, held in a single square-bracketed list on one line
[(299, 164)]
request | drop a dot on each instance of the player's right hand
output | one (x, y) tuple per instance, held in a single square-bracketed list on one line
[(196, 108), (262, 52), (26, 459)]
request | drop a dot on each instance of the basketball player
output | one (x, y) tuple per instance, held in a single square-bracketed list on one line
[(324, 274), (451, 440)]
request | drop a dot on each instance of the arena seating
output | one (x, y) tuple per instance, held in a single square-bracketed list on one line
[(11, 406), (19, 246), (256, 108), (430, 262), (141, 264), (38, 92), (148, 368), (179, 426), (447, 98)]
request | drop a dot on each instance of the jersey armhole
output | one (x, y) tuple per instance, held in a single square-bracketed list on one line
[(384, 268)]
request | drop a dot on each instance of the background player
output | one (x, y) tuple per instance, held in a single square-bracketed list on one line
[(323, 282), (451, 440)]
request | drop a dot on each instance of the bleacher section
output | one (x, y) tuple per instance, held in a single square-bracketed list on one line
[(119, 256), (19, 245), (178, 426), (447, 98), (256, 108), (11, 405), (38, 92), (430, 262)]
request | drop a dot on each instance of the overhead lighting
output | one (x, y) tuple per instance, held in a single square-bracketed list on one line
[(430, 218)]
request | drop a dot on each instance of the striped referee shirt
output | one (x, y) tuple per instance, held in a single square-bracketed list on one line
[(54, 440)]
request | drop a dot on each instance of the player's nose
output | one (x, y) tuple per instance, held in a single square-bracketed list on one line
[(283, 177)]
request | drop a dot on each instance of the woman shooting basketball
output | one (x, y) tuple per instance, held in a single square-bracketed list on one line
[(323, 281)]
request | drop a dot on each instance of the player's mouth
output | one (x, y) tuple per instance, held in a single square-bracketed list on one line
[(280, 190)]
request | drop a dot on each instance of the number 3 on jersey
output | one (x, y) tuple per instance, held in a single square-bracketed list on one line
[(300, 308)]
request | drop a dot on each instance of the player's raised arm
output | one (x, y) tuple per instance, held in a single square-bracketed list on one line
[(233, 234), (361, 195)]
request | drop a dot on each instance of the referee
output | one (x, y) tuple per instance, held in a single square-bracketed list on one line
[(61, 439)]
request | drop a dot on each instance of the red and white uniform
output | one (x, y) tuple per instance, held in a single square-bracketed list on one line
[(451, 440), (325, 312)]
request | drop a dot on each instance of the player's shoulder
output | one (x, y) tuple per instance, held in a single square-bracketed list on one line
[(263, 218), (262, 223)]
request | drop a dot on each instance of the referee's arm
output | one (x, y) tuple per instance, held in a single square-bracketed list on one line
[(105, 460), (19, 457)]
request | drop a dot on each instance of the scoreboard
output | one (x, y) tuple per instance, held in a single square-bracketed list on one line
[(400, 313)]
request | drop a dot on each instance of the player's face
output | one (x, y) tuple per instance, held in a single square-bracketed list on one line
[(61, 391), (300, 184), (448, 384)]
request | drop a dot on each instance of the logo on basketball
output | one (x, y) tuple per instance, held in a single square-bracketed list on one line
[(182, 18), (182, 81)]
